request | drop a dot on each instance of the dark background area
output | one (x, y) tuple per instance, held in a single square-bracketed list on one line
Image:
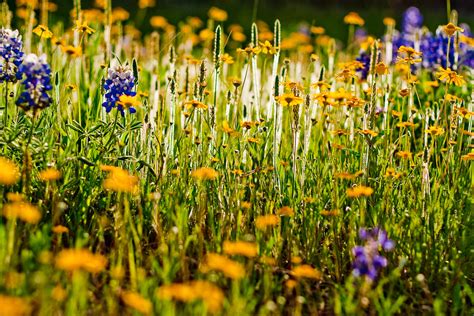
[(328, 14)]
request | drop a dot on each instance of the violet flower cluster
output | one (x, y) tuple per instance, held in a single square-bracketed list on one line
[(367, 258), (36, 83), (11, 55), (434, 46), (120, 81)]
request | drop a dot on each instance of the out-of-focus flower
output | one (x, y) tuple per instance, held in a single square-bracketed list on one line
[(159, 22), (14, 306), (9, 172), (305, 271), (80, 259), (354, 18), (206, 291), (367, 259), (143, 4), (264, 221), (23, 210), (137, 302), (120, 180), (289, 99), (50, 174), (217, 14), (243, 248), (36, 83), (11, 55), (205, 173), (412, 20), (120, 81), (359, 191), (228, 267), (72, 50)]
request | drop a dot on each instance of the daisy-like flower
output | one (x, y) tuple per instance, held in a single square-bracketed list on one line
[(127, 102), (450, 29), (84, 28), (11, 55), (36, 83), (43, 31), (120, 83), (450, 76), (289, 99)]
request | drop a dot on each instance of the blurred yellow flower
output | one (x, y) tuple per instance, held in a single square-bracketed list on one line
[(72, 51), (306, 271), (137, 302), (264, 221), (158, 22), (60, 229), (289, 99), (205, 173), (230, 268), (120, 180), (143, 4), (206, 291), (9, 172), (128, 101), (359, 191), (23, 210), (50, 174), (354, 18), (14, 306), (80, 259), (243, 248), (286, 211), (217, 14), (435, 130)]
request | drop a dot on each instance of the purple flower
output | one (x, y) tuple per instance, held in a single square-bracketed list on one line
[(120, 81), (367, 259), (36, 83), (412, 20), (11, 55)]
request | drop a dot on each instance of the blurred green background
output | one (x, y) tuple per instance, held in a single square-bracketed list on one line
[(328, 14)]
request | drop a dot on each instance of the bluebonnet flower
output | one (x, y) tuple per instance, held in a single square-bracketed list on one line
[(412, 20), (36, 83), (11, 55), (367, 258), (364, 58), (120, 81)]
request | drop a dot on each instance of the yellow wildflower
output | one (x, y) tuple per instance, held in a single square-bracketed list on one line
[(83, 27), (43, 31), (359, 191), (306, 271), (137, 302), (9, 172), (264, 221), (143, 4), (243, 248), (128, 101), (158, 22), (50, 174), (450, 76), (80, 259), (435, 130), (205, 173), (14, 306), (217, 14), (72, 51), (23, 210), (289, 99), (286, 211), (450, 29), (228, 267), (120, 180), (353, 18)]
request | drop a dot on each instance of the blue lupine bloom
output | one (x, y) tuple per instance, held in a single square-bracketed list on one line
[(120, 81), (367, 259), (412, 20), (11, 55), (364, 58), (36, 83)]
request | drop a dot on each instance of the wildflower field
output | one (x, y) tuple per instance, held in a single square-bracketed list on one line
[(215, 168)]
